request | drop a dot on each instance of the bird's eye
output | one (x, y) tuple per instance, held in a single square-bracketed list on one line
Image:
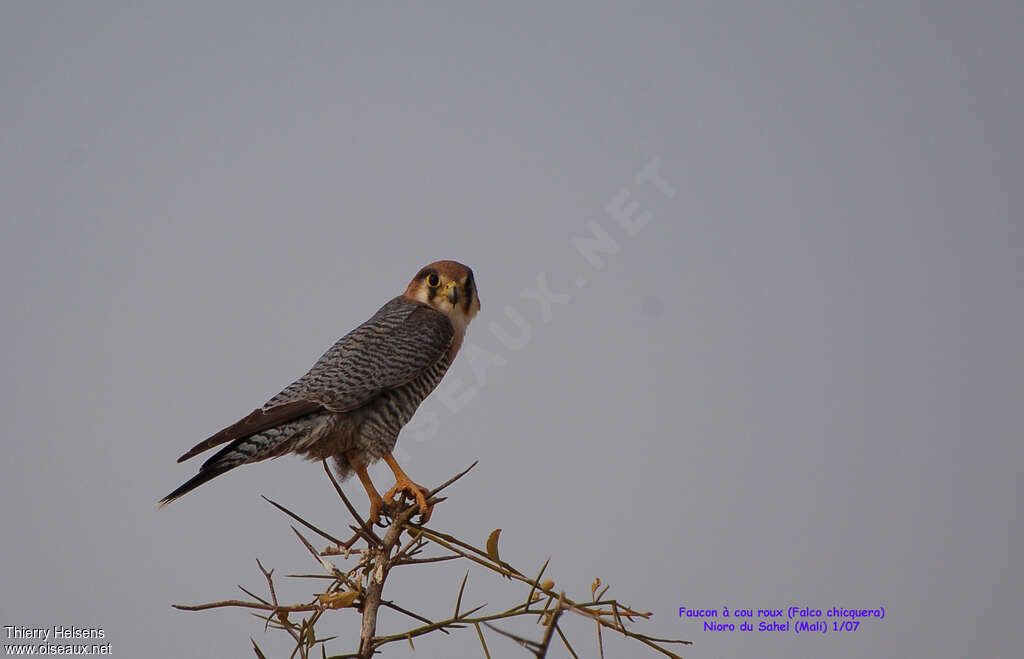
[(433, 280)]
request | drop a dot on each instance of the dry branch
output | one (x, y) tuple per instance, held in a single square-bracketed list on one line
[(360, 589)]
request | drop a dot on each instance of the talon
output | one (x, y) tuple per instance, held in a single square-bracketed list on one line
[(403, 484), (376, 503), (407, 487)]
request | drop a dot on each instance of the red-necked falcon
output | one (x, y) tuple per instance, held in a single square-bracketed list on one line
[(357, 397)]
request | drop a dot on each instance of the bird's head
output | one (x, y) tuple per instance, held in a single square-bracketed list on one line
[(447, 286)]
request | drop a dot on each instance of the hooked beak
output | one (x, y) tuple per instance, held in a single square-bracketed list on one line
[(451, 291)]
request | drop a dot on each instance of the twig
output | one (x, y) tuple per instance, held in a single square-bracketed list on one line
[(545, 642), (367, 529), (451, 480), (392, 605), (462, 587), (566, 642), (360, 588), (294, 608), (298, 519), (483, 643)]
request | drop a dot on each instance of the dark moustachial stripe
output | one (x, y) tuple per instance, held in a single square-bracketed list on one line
[(427, 272), (469, 292)]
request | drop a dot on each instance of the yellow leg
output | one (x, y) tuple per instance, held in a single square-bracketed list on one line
[(404, 484), (375, 501)]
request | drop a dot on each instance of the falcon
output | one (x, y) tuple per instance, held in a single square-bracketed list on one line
[(352, 404)]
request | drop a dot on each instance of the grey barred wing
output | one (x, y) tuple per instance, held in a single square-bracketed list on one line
[(400, 343)]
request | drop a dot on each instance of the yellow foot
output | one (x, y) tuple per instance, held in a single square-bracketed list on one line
[(404, 486), (376, 504)]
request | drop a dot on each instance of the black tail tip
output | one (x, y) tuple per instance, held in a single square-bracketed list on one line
[(173, 496)]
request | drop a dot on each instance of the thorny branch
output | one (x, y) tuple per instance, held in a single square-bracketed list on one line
[(361, 589)]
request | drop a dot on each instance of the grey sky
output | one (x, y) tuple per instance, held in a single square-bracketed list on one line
[(799, 382)]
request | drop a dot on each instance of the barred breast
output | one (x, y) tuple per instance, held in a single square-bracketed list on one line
[(381, 420), (373, 429)]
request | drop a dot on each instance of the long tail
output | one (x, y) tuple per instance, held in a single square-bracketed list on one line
[(239, 452), (194, 482)]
